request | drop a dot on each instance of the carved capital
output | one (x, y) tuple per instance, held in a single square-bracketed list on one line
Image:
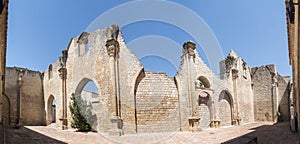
[(234, 74), (275, 80), (190, 48), (63, 58), (230, 62), (63, 73), (112, 46)]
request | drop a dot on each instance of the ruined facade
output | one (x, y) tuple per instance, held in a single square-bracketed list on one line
[(132, 99), (3, 44)]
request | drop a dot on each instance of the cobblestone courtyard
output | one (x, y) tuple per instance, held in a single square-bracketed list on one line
[(265, 133)]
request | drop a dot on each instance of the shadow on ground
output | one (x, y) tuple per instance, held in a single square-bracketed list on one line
[(24, 135), (278, 133)]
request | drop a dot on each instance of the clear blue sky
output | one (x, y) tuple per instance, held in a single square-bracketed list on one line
[(255, 29)]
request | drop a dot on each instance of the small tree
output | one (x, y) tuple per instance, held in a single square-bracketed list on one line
[(81, 113)]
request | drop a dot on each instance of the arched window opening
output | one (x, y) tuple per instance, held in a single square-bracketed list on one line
[(83, 45), (202, 82), (50, 72)]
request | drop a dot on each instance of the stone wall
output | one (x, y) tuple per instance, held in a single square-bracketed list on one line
[(157, 103), (31, 96), (150, 101), (263, 97), (271, 94), (3, 44), (52, 90), (236, 73), (283, 98), (92, 64)]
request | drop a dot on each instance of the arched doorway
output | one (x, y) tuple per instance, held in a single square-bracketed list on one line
[(204, 109), (88, 91), (225, 108), (51, 110)]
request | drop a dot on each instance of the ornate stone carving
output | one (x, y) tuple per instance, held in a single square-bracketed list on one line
[(235, 73), (190, 48), (245, 65), (275, 80), (230, 62), (112, 46)]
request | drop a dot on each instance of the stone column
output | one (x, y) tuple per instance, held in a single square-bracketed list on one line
[(112, 46), (275, 97), (235, 118), (189, 48), (19, 85), (193, 119), (63, 76)]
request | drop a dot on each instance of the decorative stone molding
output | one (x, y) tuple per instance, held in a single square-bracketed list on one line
[(230, 62), (235, 74), (275, 80), (63, 73), (190, 48), (112, 46)]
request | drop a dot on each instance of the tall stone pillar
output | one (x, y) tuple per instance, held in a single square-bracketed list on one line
[(235, 117), (63, 76), (112, 46), (189, 48), (19, 85), (275, 97), (194, 118)]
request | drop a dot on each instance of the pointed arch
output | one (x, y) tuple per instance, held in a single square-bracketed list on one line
[(51, 110), (136, 84), (226, 108)]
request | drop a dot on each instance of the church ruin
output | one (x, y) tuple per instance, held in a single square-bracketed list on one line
[(132, 99)]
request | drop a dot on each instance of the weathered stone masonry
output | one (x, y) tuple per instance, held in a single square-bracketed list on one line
[(134, 100)]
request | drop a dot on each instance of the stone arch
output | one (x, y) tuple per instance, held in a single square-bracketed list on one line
[(202, 82), (136, 84), (82, 84), (91, 96), (205, 109), (51, 110), (226, 108), (83, 46)]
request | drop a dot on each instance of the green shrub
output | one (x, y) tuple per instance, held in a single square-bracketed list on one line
[(81, 113)]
